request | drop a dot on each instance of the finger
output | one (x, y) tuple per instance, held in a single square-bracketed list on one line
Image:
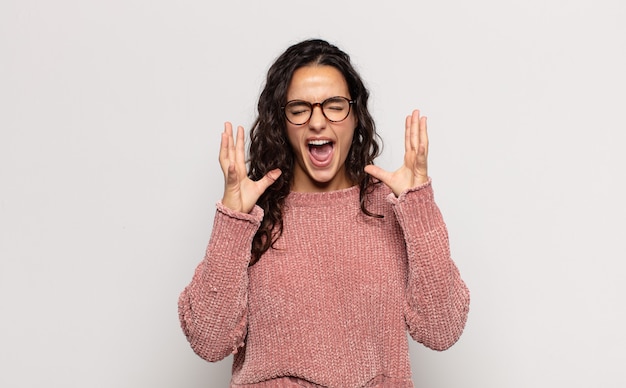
[(378, 173), (415, 130), (422, 154), (407, 134), (231, 148), (231, 174), (223, 155), (240, 152), (268, 180), (423, 137)]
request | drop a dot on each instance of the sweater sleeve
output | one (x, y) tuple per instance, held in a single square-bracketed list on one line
[(437, 299), (213, 308)]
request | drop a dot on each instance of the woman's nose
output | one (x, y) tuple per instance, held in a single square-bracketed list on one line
[(318, 120)]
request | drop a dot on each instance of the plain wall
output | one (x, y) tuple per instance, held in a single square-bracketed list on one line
[(110, 115)]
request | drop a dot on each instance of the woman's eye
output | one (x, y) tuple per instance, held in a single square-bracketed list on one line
[(296, 112), (298, 109)]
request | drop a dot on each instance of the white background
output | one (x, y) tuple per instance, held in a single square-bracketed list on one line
[(110, 114)]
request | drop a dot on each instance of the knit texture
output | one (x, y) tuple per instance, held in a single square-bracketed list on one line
[(331, 304)]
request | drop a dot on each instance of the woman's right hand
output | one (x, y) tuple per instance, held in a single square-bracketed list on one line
[(240, 192)]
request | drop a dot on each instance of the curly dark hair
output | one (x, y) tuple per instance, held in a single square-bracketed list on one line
[(270, 149)]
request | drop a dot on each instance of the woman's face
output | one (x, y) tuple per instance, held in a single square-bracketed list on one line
[(320, 146)]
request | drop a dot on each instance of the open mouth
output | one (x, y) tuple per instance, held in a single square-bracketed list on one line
[(321, 152)]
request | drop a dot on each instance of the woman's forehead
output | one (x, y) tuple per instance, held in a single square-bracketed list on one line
[(316, 83)]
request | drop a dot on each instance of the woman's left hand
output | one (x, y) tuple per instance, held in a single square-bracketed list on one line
[(414, 171)]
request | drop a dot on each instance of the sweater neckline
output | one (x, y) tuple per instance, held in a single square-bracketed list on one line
[(322, 199)]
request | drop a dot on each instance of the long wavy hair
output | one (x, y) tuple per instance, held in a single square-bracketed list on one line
[(270, 149)]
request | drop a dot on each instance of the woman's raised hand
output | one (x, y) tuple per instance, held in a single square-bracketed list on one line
[(240, 192), (414, 171)]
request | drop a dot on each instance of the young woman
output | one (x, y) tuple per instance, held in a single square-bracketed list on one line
[(320, 262)]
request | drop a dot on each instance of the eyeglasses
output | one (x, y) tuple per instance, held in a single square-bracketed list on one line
[(335, 109)]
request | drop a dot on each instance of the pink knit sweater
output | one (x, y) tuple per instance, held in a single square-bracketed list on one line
[(331, 305)]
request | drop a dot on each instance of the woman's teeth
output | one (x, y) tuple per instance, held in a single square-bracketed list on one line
[(318, 142)]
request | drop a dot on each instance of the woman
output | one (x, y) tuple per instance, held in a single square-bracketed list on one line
[(319, 261)]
